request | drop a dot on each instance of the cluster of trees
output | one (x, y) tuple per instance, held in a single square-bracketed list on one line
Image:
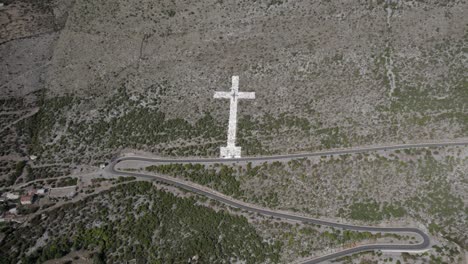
[(68, 181), (35, 173), (146, 127), (373, 211), (221, 178), (11, 171), (130, 125), (24, 210), (249, 129), (356, 256), (40, 125), (11, 103), (15, 172), (347, 236), (202, 149), (416, 96), (270, 124), (148, 225), (121, 179), (332, 137), (122, 122)]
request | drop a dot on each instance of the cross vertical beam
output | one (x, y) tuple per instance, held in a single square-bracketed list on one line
[(231, 151)]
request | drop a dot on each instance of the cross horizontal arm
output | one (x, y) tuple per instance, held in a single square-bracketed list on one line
[(226, 95), (245, 95)]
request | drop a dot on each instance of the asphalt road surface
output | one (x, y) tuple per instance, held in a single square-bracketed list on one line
[(424, 245)]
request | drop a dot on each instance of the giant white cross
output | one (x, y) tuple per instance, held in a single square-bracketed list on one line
[(231, 151)]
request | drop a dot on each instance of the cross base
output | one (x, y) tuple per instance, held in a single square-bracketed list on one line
[(230, 152)]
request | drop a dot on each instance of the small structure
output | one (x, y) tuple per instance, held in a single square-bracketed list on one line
[(41, 191), (12, 196), (102, 166), (13, 211), (33, 157), (27, 199)]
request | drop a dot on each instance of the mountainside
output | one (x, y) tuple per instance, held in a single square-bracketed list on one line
[(141, 75), (82, 82)]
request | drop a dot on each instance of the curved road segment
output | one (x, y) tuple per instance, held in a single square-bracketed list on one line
[(424, 245)]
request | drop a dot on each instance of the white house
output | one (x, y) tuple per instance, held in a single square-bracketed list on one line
[(12, 196)]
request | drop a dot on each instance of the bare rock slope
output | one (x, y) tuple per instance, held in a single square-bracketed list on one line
[(141, 75)]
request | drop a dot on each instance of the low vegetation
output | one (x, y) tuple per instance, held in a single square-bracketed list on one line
[(136, 221), (422, 184), (219, 177)]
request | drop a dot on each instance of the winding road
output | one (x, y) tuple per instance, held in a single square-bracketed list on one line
[(423, 246)]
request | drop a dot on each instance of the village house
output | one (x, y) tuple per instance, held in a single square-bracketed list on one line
[(27, 199)]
